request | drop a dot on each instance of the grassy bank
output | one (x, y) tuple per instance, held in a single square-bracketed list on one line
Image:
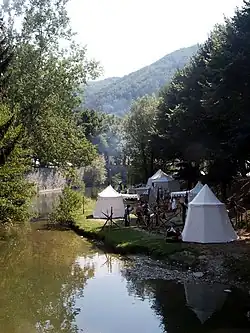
[(129, 240)]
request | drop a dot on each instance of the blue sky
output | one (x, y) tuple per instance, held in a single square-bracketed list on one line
[(125, 35)]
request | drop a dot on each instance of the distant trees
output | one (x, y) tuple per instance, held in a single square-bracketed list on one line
[(202, 119), (105, 132), (140, 132), (115, 95)]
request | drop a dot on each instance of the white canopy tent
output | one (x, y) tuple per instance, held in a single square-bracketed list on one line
[(167, 183), (191, 194), (108, 198), (161, 180), (204, 300), (157, 175), (207, 220)]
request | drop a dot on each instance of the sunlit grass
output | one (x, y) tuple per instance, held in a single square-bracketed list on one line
[(124, 239)]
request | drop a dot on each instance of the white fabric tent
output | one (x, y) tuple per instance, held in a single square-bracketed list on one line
[(207, 220), (191, 194), (204, 300), (106, 199), (157, 175)]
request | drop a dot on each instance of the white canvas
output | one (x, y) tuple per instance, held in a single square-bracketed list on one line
[(157, 175), (204, 300), (197, 188), (108, 198), (191, 194), (207, 220)]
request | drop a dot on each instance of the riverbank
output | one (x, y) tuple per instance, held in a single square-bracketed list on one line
[(124, 240), (215, 262)]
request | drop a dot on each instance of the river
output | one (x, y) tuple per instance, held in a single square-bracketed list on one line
[(54, 281)]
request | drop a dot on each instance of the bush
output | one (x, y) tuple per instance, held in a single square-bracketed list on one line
[(70, 202)]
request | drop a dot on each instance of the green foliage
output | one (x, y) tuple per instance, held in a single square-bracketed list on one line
[(140, 133), (115, 95), (203, 115), (94, 174), (45, 81), (15, 191), (67, 210)]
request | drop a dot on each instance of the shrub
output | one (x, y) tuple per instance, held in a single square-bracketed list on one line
[(70, 202)]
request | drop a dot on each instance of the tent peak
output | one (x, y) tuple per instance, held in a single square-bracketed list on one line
[(206, 197), (109, 192)]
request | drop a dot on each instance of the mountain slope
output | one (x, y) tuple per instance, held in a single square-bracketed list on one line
[(115, 95)]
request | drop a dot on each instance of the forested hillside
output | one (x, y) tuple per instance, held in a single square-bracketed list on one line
[(114, 95)]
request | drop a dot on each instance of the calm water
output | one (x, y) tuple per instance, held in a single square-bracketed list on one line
[(54, 281), (43, 204)]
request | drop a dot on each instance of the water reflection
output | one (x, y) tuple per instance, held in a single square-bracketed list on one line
[(54, 281), (40, 279), (195, 307), (43, 203), (204, 300)]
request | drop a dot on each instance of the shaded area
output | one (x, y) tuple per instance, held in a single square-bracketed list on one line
[(194, 307)]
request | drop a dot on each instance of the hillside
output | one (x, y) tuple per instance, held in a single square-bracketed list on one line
[(114, 95)]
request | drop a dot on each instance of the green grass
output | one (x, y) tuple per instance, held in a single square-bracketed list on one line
[(124, 240)]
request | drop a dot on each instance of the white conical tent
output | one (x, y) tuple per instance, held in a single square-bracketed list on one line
[(207, 220), (192, 194), (106, 199), (204, 300)]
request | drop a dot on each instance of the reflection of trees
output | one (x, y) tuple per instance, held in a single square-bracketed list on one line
[(39, 281), (43, 203), (170, 304)]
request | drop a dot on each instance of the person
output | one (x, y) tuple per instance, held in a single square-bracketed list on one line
[(184, 205), (174, 205), (146, 214), (119, 188), (139, 211), (128, 210), (156, 212)]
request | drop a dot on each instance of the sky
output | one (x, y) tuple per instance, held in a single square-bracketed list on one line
[(126, 35)]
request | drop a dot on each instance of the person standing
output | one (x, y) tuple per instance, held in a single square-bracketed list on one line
[(127, 220)]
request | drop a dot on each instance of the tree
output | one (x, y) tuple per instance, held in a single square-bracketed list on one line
[(15, 191), (45, 81), (203, 114), (139, 133), (94, 174)]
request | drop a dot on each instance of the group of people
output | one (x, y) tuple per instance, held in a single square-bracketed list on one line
[(160, 210)]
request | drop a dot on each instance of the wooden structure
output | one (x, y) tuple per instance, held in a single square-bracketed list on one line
[(109, 222)]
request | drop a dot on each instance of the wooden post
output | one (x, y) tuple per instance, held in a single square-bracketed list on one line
[(83, 204), (109, 219)]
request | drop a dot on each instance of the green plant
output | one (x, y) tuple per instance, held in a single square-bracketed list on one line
[(70, 202)]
